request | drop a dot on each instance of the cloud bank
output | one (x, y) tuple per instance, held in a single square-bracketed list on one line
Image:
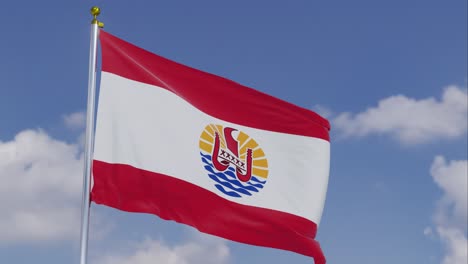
[(40, 188), (201, 250), (409, 120), (450, 216)]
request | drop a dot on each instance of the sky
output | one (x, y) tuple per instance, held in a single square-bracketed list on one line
[(391, 76)]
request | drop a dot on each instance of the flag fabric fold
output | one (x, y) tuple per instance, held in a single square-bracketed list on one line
[(204, 151)]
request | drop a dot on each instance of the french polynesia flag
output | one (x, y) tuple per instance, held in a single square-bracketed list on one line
[(202, 150)]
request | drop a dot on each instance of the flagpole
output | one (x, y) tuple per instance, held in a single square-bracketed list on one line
[(89, 143)]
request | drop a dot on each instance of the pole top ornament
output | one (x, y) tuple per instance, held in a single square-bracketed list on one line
[(95, 12)]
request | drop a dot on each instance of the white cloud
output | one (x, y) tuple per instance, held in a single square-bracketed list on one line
[(75, 120), (452, 178), (450, 216), (202, 250), (456, 245), (40, 188), (410, 120)]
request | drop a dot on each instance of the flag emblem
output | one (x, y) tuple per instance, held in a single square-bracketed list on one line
[(233, 160)]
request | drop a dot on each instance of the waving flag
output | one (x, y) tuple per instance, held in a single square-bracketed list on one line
[(202, 150)]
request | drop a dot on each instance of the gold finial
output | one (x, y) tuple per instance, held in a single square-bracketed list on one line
[(95, 11)]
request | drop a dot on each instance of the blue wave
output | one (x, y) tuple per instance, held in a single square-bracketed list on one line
[(227, 181), (219, 176), (256, 185), (228, 185), (206, 156), (255, 179)]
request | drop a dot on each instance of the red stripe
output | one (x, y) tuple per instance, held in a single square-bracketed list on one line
[(213, 95), (134, 190)]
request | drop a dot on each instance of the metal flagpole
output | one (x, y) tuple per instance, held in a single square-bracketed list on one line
[(89, 143)]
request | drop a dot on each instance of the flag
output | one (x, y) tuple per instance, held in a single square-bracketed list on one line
[(205, 151)]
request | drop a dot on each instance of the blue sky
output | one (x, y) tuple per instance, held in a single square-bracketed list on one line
[(391, 76)]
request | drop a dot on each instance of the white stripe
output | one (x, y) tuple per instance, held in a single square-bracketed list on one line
[(153, 129)]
